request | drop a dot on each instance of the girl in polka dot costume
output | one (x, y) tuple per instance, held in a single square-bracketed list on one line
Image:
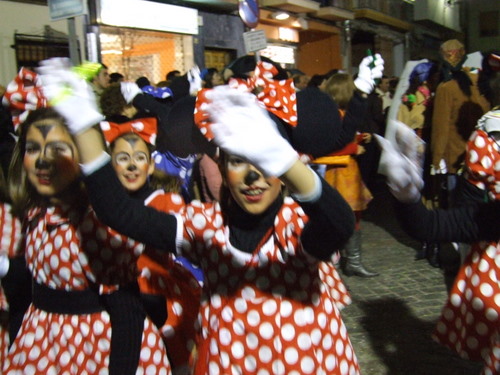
[(469, 323), (471, 318), (83, 272), (169, 291), (265, 308)]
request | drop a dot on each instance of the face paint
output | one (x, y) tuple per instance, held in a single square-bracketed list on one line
[(50, 159), (132, 162), (249, 188)]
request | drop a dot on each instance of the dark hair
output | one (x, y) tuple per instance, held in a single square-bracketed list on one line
[(207, 77), (112, 100), (115, 77), (316, 80), (172, 74), (142, 81)]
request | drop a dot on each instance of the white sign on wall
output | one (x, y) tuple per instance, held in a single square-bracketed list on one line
[(60, 9), (149, 15), (254, 40)]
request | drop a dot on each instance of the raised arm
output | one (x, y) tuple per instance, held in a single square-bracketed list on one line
[(241, 127), (74, 100), (473, 221)]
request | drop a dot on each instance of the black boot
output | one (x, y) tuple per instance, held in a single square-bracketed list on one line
[(353, 265), (422, 252)]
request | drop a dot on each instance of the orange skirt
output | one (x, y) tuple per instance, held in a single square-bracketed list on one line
[(347, 180)]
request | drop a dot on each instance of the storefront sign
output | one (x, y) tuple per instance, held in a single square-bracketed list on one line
[(149, 15), (60, 9)]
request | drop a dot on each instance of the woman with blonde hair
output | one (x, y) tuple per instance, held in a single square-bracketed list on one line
[(347, 179)]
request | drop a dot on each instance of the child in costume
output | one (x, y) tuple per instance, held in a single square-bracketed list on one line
[(86, 315), (169, 291), (266, 307)]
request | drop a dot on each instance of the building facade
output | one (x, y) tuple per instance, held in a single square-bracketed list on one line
[(151, 38)]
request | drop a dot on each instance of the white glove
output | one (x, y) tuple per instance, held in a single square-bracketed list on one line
[(365, 81), (403, 176), (69, 94), (241, 127), (194, 79), (129, 91), (4, 265)]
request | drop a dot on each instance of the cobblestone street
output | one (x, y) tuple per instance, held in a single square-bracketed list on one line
[(392, 316)]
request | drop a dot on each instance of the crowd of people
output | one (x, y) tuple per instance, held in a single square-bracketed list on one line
[(201, 225)]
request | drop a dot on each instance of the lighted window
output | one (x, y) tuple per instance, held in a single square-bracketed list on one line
[(287, 34)]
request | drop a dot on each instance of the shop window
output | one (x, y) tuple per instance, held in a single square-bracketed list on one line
[(30, 49), (136, 53), (488, 23)]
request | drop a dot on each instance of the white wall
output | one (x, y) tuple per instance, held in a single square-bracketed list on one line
[(438, 11), (26, 19)]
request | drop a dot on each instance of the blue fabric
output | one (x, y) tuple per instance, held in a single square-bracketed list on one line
[(182, 168), (196, 271), (421, 72), (157, 92)]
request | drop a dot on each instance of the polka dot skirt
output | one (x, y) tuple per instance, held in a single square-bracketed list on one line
[(470, 320), (162, 275), (64, 251), (268, 312)]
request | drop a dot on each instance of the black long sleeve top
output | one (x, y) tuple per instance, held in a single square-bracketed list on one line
[(330, 225), (320, 129), (474, 221)]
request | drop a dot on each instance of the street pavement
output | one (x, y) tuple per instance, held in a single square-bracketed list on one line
[(393, 315)]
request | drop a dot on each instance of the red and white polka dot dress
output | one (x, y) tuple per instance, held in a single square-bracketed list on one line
[(483, 163), (162, 275), (470, 320), (267, 312), (64, 252), (10, 236)]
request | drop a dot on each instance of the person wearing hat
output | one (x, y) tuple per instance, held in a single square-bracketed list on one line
[(416, 108), (458, 105)]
